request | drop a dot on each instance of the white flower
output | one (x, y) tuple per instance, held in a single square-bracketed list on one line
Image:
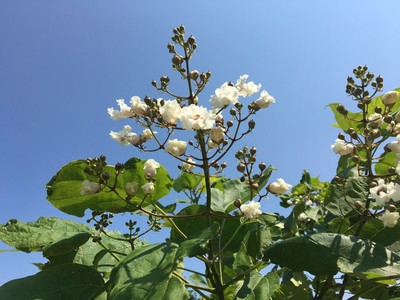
[(123, 112), (340, 147), (382, 193), (150, 168), (171, 111), (389, 219), (125, 137), (89, 188), (302, 217), (131, 188), (197, 118), (246, 89), (147, 134), (211, 144), (395, 146), (138, 107), (376, 118), (265, 100), (148, 188), (224, 95), (176, 147), (189, 165), (217, 134), (251, 210), (390, 98), (279, 186)]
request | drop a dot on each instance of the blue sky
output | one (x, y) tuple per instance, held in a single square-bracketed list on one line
[(63, 63)]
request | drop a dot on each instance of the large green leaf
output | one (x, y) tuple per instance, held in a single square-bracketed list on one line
[(67, 281), (146, 273), (187, 181), (197, 244), (63, 190), (43, 233), (341, 197), (257, 287), (326, 253)]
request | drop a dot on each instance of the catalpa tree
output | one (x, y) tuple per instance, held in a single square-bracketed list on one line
[(340, 239)]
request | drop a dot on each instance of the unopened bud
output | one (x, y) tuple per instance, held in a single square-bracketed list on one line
[(119, 166), (375, 133), (392, 170), (253, 150), (341, 136), (177, 60), (355, 159), (224, 165), (388, 119), (358, 204), (390, 98), (194, 74), (191, 40), (154, 83), (252, 124), (254, 186), (229, 123), (391, 208), (237, 203), (262, 166), (105, 176), (341, 109), (378, 110), (241, 168)]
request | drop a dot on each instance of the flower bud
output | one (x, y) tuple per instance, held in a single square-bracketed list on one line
[(253, 151), (392, 170), (177, 60), (262, 166), (194, 74), (355, 159), (105, 176), (254, 186), (358, 204), (391, 208), (229, 123), (237, 203), (390, 98), (341, 110), (252, 124), (378, 110), (375, 133), (191, 40), (154, 83), (119, 166), (388, 119), (224, 165), (341, 136), (241, 168)]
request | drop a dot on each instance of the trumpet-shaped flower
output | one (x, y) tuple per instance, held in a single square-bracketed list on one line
[(126, 137), (188, 166), (197, 118), (148, 187), (150, 168), (251, 210), (224, 95), (246, 88), (389, 219), (123, 112), (89, 188), (171, 111), (138, 107), (176, 147), (340, 147), (131, 188), (279, 186), (265, 100)]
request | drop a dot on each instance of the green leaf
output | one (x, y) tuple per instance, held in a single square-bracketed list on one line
[(341, 197), (222, 199), (187, 181), (326, 253), (198, 243), (63, 190), (67, 281), (146, 273), (257, 287), (351, 120), (43, 233), (388, 160)]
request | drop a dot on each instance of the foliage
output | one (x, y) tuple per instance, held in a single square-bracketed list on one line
[(339, 237)]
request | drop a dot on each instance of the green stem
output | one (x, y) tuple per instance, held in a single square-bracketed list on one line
[(171, 222), (108, 250)]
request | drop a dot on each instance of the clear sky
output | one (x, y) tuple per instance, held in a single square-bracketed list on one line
[(63, 63)]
